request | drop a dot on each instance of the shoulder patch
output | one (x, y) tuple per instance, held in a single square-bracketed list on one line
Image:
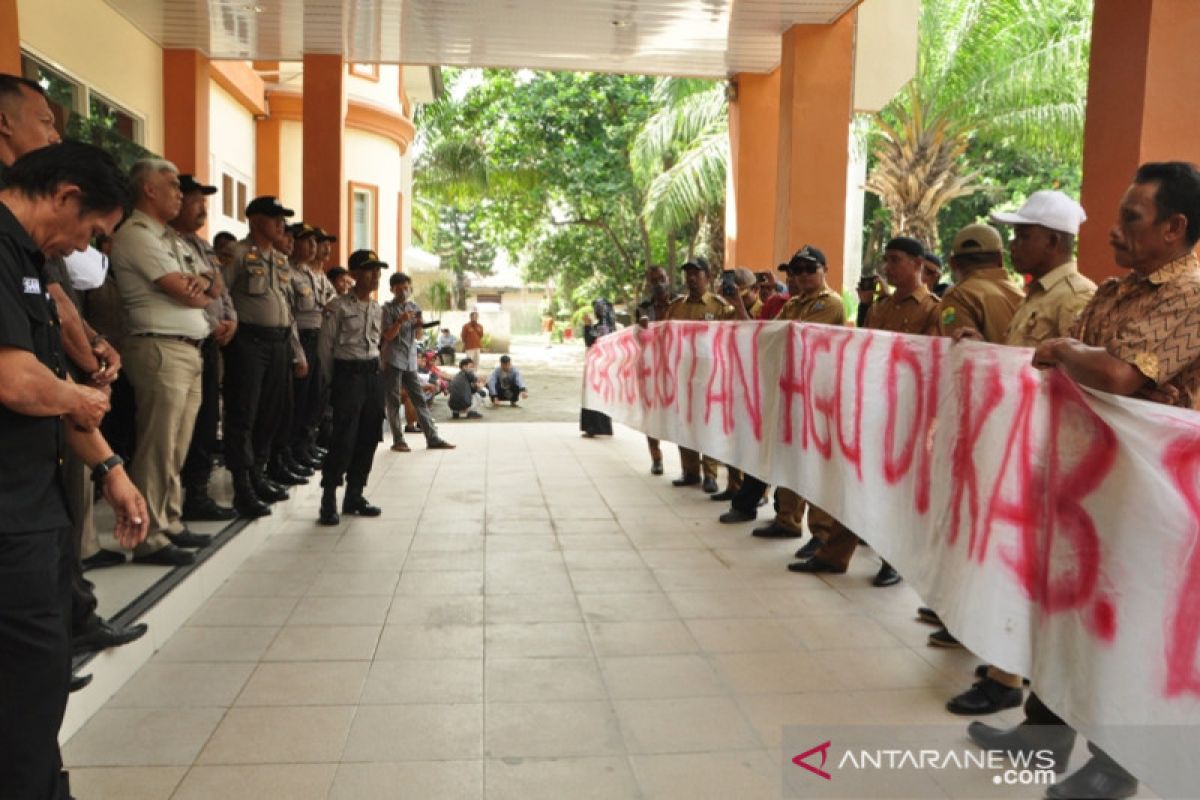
[(949, 315), (31, 285)]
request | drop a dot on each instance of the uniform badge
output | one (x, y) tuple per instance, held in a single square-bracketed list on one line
[(949, 315), (818, 306), (32, 285), (708, 317)]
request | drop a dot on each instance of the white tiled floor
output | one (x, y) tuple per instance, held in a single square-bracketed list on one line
[(533, 616)]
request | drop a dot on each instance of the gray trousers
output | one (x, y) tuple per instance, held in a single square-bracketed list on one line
[(396, 379)]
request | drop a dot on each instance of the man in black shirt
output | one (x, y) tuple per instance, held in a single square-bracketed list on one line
[(57, 199)]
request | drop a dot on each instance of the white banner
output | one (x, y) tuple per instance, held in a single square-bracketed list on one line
[(1057, 532)]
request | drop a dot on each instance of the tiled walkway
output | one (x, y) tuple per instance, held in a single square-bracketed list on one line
[(533, 616)]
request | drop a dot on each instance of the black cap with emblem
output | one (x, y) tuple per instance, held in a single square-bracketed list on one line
[(365, 259), (188, 183), (268, 206)]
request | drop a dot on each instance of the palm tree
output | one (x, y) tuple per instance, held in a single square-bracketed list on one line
[(1007, 72)]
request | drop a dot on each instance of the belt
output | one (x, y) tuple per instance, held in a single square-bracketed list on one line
[(174, 338), (264, 332), (356, 366)]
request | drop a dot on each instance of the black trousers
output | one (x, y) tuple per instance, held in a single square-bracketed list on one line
[(119, 425), (357, 400), (257, 386), (35, 660), (1038, 713), (197, 467), (749, 495), (306, 415)]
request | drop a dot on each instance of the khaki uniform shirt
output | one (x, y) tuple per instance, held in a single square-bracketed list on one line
[(219, 309), (350, 331), (144, 250), (916, 314), (709, 307), (984, 300), (1152, 323), (1051, 305), (260, 285), (823, 305), (311, 292)]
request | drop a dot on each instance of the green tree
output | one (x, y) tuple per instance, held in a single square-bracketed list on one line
[(463, 249)]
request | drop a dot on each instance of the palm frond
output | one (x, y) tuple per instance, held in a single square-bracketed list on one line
[(693, 185)]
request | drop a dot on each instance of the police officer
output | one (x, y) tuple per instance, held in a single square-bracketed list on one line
[(350, 336), (57, 199), (259, 359), (698, 304), (311, 292), (653, 308)]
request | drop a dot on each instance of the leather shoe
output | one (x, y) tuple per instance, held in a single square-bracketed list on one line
[(887, 576), (189, 539), (291, 464), (1024, 741), (249, 506), (329, 516), (723, 496), (360, 507), (269, 492), (286, 477), (942, 638), (1097, 778), (167, 556), (709, 486), (733, 516), (809, 550), (814, 566), (775, 531), (987, 696), (106, 635), (686, 480), (929, 616), (103, 558), (202, 508), (80, 682), (656, 468), (439, 444)]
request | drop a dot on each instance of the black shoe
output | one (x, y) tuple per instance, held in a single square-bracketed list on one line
[(199, 507), (103, 558), (474, 415), (329, 513), (887, 576), (189, 539), (304, 458), (809, 550), (775, 531), (80, 682), (709, 485), (106, 635), (285, 476), (167, 556), (1098, 778), (686, 480), (942, 638), (1024, 741), (929, 616), (248, 505), (359, 506), (981, 672), (268, 492), (815, 566), (453, 415), (656, 468), (733, 516), (296, 468), (722, 497), (439, 444), (987, 696)]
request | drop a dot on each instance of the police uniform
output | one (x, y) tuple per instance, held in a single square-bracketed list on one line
[(350, 336), (985, 300), (708, 308), (311, 293), (258, 363), (36, 549)]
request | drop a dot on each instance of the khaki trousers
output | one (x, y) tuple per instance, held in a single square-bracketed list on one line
[(693, 461), (789, 510), (655, 450), (838, 542), (1008, 679), (166, 383), (473, 354)]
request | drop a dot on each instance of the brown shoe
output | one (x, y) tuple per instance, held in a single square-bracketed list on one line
[(401, 447)]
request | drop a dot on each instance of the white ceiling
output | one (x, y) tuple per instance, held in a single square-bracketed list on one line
[(704, 38)]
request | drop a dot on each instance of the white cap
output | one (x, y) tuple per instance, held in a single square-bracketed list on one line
[(1050, 209)]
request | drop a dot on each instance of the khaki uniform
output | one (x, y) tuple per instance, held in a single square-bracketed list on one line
[(653, 312), (1051, 306), (1152, 323), (708, 308), (823, 306), (984, 300), (260, 285)]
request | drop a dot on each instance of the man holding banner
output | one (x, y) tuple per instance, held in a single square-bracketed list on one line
[(1139, 337)]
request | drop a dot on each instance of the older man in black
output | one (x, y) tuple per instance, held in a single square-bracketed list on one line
[(57, 199)]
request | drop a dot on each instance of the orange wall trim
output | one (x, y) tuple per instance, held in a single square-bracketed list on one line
[(360, 116), (267, 136), (237, 78), (754, 154), (10, 38), (186, 111)]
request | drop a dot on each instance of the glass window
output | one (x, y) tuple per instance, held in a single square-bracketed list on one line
[(363, 218), (63, 93), (241, 201), (227, 196)]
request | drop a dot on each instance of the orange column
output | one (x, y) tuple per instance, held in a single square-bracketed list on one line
[(185, 111), (10, 38), (267, 134), (324, 135), (753, 150), (1143, 59), (816, 96)]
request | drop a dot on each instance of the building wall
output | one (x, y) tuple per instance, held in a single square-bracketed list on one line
[(385, 92), (291, 159), (376, 161), (231, 144), (94, 44)]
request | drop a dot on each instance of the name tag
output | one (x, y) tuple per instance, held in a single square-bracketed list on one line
[(32, 285)]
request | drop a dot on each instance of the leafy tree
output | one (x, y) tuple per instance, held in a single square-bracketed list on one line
[(463, 249)]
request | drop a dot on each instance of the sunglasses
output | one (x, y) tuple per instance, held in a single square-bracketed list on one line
[(807, 268)]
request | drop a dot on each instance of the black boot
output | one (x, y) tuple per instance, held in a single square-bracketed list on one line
[(279, 473), (295, 466), (355, 503), (267, 491), (329, 513), (245, 500), (199, 507)]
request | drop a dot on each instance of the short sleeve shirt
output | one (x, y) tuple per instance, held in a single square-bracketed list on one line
[(916, 314), (984, 300), (311, 292), (708, 307), (31, 448), (472, 336), (351, 329), (219, 309), (1051, 305), (401, 352), (1153, 323), (823, 306), (144, 251), (260, 284)]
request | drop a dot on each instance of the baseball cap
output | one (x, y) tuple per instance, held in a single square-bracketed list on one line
[(907, 245), (365, 259), (325, 236), (744, 278), (977, 239), (302, 229), (1049, 208), (336, 273), (809, 253), (188, 183), (268, 206), (695, 263)]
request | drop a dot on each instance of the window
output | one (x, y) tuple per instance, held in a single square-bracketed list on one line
[(364, 216), (227, 196), (368, 72), (241, 201), (234, 196)]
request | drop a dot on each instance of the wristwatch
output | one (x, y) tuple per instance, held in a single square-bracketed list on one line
[(101, 470)]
